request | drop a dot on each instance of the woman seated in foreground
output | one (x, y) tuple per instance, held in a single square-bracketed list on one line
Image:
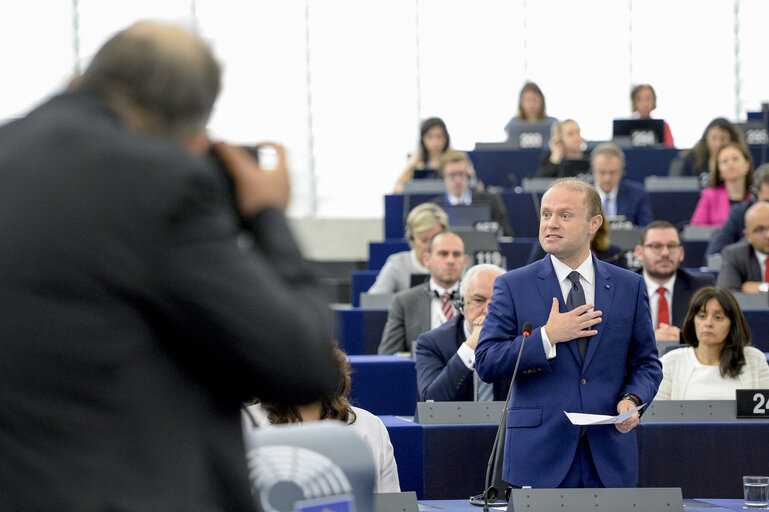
[(337, 407), (719, 359)]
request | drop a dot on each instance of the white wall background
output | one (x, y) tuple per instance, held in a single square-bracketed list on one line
[(345, 83)]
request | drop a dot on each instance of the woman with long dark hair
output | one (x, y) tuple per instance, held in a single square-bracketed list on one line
[(719, 358), (434, 140)]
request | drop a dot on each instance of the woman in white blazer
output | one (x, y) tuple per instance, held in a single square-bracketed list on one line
[(719, 358)]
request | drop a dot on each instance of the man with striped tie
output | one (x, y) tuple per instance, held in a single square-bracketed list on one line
[(445, 356), (430, 304)]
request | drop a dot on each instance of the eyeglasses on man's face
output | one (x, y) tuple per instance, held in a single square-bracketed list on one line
[(658, 247)]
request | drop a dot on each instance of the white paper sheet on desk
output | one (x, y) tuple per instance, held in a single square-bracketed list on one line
[(580, 418)]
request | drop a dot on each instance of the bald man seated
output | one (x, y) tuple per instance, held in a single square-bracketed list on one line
[(744, 264)]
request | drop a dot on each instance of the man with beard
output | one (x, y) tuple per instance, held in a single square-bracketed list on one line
[(669, 287)]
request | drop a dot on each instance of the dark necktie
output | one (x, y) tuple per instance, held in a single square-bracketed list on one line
[(575, 299)]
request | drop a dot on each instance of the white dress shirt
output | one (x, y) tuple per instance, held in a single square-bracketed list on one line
[(466, 198), (586, 280)]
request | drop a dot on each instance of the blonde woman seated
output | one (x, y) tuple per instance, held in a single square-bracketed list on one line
[(422, 224), (719, 358), (336, 407)]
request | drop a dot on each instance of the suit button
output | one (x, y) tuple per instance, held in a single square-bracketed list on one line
[(584, 381)]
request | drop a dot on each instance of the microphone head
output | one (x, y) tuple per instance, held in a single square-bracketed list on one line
[(527, 328)]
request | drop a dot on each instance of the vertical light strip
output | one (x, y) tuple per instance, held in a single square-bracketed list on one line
[(76, 37), (525, 42), (310, 133), (194, 14), (419, 66), (630, 40), (737, 80)]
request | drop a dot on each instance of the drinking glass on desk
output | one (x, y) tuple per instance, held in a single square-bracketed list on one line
[(756, 489)]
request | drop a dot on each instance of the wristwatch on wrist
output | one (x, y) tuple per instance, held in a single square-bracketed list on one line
[(632, 398), (763, 287)]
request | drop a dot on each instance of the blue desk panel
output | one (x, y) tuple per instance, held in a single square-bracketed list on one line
[(694, 253), (379, 251), (361, 281), (384, 384), (358, 330), (674, 207), (758, 321), (406, 438), (394, 226), (523, 212), (701, 458), (507, 167), (517, 252)]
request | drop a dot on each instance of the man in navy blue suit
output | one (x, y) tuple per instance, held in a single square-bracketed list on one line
[(619, 197), (599, 357), (445, 356)]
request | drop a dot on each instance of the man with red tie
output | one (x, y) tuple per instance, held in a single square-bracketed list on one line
[(669, 287)]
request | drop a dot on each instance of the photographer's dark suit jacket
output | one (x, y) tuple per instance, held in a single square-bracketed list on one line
[(441, 374), (137, 315)]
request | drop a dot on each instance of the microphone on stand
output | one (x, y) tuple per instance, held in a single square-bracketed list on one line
[(488, 488)]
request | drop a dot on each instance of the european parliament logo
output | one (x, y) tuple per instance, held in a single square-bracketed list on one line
[(331, 504)]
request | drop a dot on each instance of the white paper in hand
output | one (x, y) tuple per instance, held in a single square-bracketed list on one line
[(579, 418)]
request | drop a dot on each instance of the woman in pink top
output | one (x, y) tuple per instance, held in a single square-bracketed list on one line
[(730, 180)]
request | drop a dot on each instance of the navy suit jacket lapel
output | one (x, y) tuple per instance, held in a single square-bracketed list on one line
[(604, 294)]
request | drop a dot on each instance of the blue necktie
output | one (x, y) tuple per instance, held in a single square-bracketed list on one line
[(484, 390), (606, 205)]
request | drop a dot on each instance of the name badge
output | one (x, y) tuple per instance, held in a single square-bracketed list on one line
[(753, 403)]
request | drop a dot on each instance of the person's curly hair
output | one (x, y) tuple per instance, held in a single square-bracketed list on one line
[(334, 407)]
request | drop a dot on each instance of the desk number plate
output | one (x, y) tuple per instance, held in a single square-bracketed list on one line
[(753, 403)]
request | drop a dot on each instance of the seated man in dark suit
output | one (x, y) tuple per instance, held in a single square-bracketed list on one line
[(669, 288), (733, 228), (428, 305), (455, 168), (620, 197), (744, 267), (445, 356)]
